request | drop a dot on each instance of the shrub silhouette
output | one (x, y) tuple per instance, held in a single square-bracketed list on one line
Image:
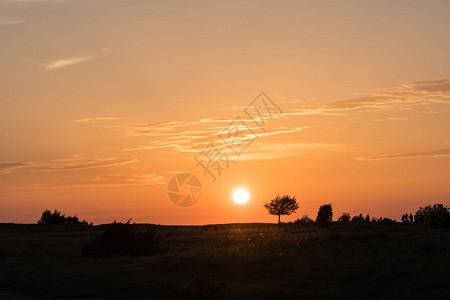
[(324, 215), (405, 219), (55, 217), (304, 220), (436, 216), (200, 288), (279, 206), (345, 217), (123, 240)]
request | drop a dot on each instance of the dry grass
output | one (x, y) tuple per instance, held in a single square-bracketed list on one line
[(240, 261)]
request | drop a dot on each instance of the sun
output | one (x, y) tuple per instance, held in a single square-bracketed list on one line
[(240, 196)]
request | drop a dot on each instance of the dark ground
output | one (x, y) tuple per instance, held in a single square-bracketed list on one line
[(236, 261)]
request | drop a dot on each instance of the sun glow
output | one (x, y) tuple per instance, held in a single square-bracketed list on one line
[(240, 196)]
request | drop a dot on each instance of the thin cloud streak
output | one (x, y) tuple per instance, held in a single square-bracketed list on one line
[(94, 120), (8, 166), (81, 163), (194, 141), (263, 151), (76, 162), (35, 1), (101, 181), (436, 153), (5, 21), (61, 63)]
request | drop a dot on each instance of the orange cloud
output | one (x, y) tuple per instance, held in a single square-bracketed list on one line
[(436, 153)]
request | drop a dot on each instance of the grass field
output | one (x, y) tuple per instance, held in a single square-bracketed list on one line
[(234, 261)]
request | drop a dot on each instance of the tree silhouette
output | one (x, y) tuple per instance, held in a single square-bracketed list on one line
[(345, 217), (279, 206), (304, 220), (55, 217), (405, 219), (437, 216), (324, 215), (52, 218)]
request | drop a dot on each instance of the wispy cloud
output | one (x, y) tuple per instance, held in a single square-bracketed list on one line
[(8, 166), (61, 63), (7, 21), (75, 162), (391, 119), (423, 92), (34, 1), (435, 153), (94, 120), (101, 181), (401, 97), (195, 140), (262, 151)]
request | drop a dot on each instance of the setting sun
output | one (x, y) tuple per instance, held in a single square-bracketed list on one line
[(240, 196)]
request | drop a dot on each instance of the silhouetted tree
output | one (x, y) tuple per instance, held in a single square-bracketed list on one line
[(304, 220), (280, 206), (405, 218), (325, 215), (48, 217), (411, 218), (55, 217), (436, 216), (345, 217), (367, 219)]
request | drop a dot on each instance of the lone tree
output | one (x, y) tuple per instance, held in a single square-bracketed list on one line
[(279, 206), (324, 215)]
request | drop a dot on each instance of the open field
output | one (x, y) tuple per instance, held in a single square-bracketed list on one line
[(235, 261)]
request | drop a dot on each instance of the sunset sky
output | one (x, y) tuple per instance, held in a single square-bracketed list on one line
[(103, 102)]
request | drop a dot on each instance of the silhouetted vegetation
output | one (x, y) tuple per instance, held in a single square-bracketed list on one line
[(235, 261), (280, 206), (407, 219), (200, 288), (324, 216), (436, 216), (304, 220), (345, 217), (55, 217), (125, 240)]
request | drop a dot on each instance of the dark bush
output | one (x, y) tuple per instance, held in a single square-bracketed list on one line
[(200, 288), (436, 216), (55, 217), (123, 240), (405, 219), (304, 220), (324, 216), (345, 217)]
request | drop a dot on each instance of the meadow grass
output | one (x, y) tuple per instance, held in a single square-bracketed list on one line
[(233, 261)]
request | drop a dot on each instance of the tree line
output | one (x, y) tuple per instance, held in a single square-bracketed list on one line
[(436, 216)]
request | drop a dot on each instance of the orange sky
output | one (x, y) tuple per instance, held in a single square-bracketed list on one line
[(102, 102)]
